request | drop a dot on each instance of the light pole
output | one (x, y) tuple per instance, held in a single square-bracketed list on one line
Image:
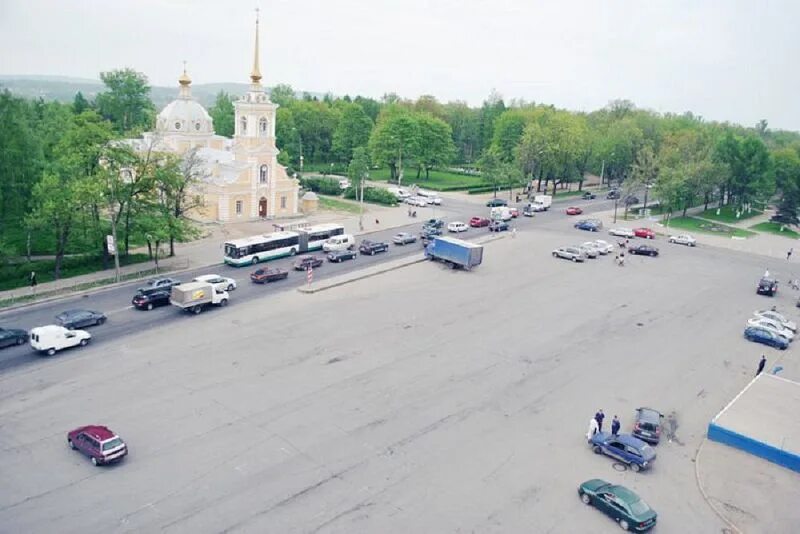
[(616, 199), (400, 166), (364, 177), (646, 190)]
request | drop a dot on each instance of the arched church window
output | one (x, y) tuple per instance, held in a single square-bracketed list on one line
[(197, 126), (262, 127), (262, 174), (177, 125), (244, 125)]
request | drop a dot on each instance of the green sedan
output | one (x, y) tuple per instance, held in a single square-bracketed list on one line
[(620, 503)]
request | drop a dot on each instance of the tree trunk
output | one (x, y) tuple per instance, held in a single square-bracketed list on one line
[(127, 230), (158, 243), (419, 171), (61, 245), (705, 208), (393, 173), (427, 173), (149, 250), (171, 246)]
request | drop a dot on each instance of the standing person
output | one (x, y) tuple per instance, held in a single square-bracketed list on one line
[(615, 426), (761, 365), (377, 222), (514, 232), (32, 281), (599, 416), (592, 429), (789, 254)]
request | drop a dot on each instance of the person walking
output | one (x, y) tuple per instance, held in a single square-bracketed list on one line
[(513, 232), (599, 416), (32, 281), (615, 426), (761, 365), (789, 254), (592, 429)]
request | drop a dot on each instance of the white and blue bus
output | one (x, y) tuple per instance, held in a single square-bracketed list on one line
[(258, 248)]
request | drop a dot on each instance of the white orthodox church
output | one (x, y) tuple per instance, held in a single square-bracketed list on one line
[(242, 179)]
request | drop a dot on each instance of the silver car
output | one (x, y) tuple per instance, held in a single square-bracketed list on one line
[(683, 239), (597, 248), (604, 246), (569, 253), (622, 232), (589, 250)]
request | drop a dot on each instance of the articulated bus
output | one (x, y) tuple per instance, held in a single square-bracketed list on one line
[(257, 248)]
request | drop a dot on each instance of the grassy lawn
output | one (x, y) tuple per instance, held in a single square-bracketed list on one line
[(775, 228), (727, 214), (16, 275), (336, 204), (694, 224), (439, 180)]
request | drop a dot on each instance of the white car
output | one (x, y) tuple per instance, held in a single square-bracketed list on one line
[(219, 282), (597, 248), (778, 318), (457, 227), (622, 232), (604, 245), (589, 250), (417, 201), (683, 239), (772, 326), (52, 338), (435, 200)]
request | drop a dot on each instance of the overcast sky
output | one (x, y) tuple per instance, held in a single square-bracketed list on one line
[(724, 60)]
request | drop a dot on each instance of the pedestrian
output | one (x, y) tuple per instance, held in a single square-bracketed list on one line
[(377, 222), (761, 365), (599, 416), (789, 254), (32, 281), (766, 273), (409, 211), (513, 232), (615, 426), (592, 429)]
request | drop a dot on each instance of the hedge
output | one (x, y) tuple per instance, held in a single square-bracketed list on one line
[(326, 186), (375, 195)]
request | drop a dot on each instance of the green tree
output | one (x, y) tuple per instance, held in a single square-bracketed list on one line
[(435, 143), (223, 114), (643, 173), (395, 138), (315, 122), (492, 108), (748, 162), (351, 132), (786, 164), (282, 94), (464, 123), (126, 101), (508, 129), (80, 104), (370, 106)]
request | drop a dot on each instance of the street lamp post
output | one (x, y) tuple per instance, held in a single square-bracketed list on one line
[(361, 204), (616, 199), (646, 190), (400, 166)]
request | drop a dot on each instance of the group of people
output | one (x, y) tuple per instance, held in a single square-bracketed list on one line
[(596, 425), (619, 259)]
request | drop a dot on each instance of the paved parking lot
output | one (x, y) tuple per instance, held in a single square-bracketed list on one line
[(422, 400)]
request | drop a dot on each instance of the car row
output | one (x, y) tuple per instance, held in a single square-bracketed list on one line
[(589, 249), (771, 328)]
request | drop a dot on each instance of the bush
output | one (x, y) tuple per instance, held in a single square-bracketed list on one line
[(15, 274), (325, 186), (375, 195)]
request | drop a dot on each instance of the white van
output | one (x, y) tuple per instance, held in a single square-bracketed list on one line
[(339, 242), (52, 338), (501, 213)]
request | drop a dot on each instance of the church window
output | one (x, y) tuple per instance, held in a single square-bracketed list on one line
[(244, 125), (238, 207), (283, 202), (262, 174), (197, 126), (262, 127), (177, 125)]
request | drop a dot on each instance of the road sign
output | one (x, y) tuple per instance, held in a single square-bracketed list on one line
[(112, 247)]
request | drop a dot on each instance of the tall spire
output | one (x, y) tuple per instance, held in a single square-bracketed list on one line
[(255, 75), (185, 82)]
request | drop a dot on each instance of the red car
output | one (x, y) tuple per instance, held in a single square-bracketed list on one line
[(514, 212), (479, 222), (646, 233), (572, 210), (100, 444)]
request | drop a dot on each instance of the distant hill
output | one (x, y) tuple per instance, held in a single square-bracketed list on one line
[(64, 88)]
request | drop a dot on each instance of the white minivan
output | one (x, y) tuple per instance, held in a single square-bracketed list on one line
[(52, 338), (339, 242)]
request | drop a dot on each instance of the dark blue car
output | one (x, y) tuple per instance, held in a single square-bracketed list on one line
[(624, 448), (762, 335), (589, 226)]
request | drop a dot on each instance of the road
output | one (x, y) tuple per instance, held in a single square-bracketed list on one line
[(123, 319)]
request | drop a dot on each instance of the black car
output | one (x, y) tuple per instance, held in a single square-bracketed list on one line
[(435, 223), (588, 195), (304, 262), (495, 202), (630, 200), (767, 286), (430, 231), (338, 256), (12, 336), (163, 283), (498, 226), (612, 195), (147, 298), (643, 250), (372, 247), (72, 319), (266, 275), (647, 426)]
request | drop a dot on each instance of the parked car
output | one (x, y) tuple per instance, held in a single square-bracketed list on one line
[(619, 503), (99, 443), (574, 210), (219, 282), (588, 195), (643, 250), (479, 222), (265, 275), (163, 282), (683, 239), (775, 316), (436, 223), (339, 242), (498, 226), (494, 202), (762, 335), (630, 200), (646, 233), (338, 256), (612, 195), (588, 225), (147, 298), (604, 246), (767, 286), (590, 251), (417, 201), (529, 210), (514, 212), (304, 263), (12, 336), (621, 232), (647, 426), (80, 318), (403, 238), (597, 248), (569, 253), (624, 448), (436, 200), (372, 247), (431, 231), (773, 326), (457, 227), (52, 338)]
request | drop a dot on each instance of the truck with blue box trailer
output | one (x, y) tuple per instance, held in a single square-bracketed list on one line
[(455, 252)]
